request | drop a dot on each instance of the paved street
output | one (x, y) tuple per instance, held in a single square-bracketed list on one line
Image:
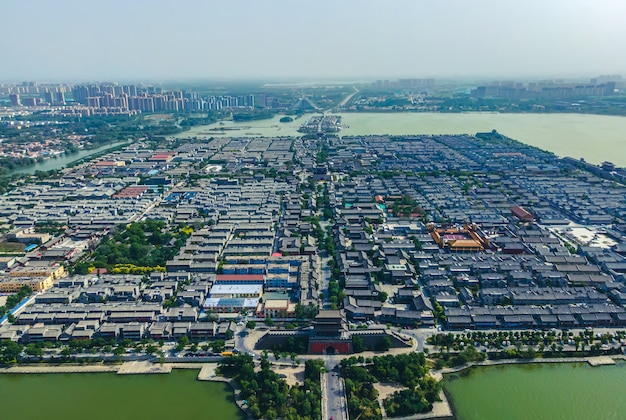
[(420, 335), (333, 392)]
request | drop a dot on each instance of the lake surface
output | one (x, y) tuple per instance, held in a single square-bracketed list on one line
[(106, 396), (594, 137), (568, 391), (65, 159)]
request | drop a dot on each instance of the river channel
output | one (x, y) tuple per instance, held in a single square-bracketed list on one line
[(594, 137), (64, 159), (105, 396), (567, 391)]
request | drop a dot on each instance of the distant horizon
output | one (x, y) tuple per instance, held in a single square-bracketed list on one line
[(156, 40), (289, 81)]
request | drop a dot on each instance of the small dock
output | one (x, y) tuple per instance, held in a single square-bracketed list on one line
[(140, 368), (600, 361)]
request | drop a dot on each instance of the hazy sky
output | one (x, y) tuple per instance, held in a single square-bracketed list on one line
[(48, 40)]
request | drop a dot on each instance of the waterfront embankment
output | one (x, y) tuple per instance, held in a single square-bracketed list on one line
[(557, 388), (591, 360), (209, 373), (568, 391), (445, 409), (65, 159), (65, 368)]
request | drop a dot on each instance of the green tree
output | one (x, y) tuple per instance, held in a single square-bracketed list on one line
[(357, 344), (384, 344), (217, 346), (438, 312), (182, 343), (9, 352), (530, 353), (251, 325), (33, 350), (81, 268)]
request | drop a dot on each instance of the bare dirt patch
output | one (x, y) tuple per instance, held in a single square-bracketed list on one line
[(291, 374), (386, 389), (11, 247)]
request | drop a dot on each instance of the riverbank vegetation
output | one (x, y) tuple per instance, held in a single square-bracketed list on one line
[(93, 132), (269, 396), (409, 370), (253, 115), (12, 352), (108, 350), (377, 100), (451, 350)]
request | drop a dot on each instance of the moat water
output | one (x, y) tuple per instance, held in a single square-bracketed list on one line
[(105, 396), (594, 137), (567, 391)]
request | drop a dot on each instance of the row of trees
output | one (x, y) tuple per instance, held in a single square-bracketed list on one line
[(467, 355), (499, 339), (10, 351), (458, 349), (14, 300)]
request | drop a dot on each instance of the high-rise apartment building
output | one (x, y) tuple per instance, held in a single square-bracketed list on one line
[(15, 99), (48, 96)]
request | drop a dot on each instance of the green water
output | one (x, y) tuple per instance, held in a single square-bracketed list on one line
[(65, 159), (109, 396), (594, 137), (568, 391)]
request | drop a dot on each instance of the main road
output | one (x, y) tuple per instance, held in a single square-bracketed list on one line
[(347, 98), (334, 404)]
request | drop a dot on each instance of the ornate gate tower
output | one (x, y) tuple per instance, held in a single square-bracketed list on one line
[(330, 334)]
